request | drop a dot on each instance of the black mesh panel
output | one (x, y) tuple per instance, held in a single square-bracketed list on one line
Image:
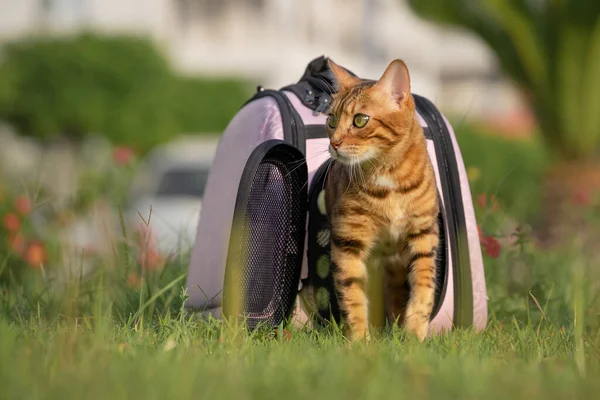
[(271, 240)]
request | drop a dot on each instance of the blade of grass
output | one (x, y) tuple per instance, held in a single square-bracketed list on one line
[(156, 296)]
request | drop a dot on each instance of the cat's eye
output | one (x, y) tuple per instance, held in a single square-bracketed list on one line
[(332, 121), (360, 120)]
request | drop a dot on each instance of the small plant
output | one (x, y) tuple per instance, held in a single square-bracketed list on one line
[(20, 247), (110, 183)]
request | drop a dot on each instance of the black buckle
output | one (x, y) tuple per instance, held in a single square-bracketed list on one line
[(309, 97), (323, 101), (324, 104)]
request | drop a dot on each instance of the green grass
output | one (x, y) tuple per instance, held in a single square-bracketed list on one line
[(183, 359), (100, 338), (105, 340)]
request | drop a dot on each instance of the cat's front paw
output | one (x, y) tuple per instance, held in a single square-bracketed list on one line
[(417, 326), (357, 335)]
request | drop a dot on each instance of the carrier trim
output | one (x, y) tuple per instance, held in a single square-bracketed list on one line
[(293, 127), (454, 210), (315, 132)]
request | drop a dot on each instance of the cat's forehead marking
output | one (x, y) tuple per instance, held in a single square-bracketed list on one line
[(343, 101)]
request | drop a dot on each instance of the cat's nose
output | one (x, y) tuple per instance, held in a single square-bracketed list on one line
[(336, 143)]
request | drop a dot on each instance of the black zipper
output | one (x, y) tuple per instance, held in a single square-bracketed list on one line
[(454, 211)]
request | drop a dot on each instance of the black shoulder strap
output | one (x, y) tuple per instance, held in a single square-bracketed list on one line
[(454, 210), (293, 127)]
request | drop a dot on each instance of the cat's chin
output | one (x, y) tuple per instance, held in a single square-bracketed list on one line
[(351, 159), (346, 161)]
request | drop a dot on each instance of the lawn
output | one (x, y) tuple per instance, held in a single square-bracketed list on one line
[(184, 359), (111, 336)]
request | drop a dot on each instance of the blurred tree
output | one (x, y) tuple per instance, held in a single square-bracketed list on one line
[(551, 49), (121, 87), (208, 104)]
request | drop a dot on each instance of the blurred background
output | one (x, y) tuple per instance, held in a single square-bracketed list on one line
[(110, 112)]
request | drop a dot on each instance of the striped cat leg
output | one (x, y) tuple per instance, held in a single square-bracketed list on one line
[(422, 277), (350, 275)]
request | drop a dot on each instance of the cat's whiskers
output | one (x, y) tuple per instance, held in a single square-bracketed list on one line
[(351, 170), (300, 163), (362, 173), (303, 186), (370, 161)]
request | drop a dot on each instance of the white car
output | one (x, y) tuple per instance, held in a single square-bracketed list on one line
[(171, 181)]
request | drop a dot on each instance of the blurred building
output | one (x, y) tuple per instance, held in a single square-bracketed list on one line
[(270, 41)]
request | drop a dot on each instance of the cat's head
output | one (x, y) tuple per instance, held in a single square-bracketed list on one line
[(370, 120)]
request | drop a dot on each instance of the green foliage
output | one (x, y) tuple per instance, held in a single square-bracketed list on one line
[(121, 87), (510, 170), (207, 104), (552, 51)]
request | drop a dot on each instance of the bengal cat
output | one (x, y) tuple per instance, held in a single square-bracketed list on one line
[(382, 200)]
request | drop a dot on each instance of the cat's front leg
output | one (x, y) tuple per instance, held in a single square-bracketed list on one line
[(348, 256), (422, 246)]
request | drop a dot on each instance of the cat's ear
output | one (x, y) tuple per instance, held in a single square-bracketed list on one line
[(342, 79), (395, 81)]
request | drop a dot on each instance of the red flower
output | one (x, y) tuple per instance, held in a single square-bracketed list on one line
[(150, 259), (122, 155), (491, 246), (11, 222), (482, 201), (35, 255), (581, 197), (494, 202), (22, 205)]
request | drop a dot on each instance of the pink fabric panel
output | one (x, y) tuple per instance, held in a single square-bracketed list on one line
[(306, 113), (316, 155), (257, 122), (316, 149), (480, 298)]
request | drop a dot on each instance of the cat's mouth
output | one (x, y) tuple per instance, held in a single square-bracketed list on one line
[(351, 156)]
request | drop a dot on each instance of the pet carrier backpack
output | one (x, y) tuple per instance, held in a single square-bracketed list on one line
[(263, 238)]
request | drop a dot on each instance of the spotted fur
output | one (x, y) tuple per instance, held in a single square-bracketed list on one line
[(382, 200)]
